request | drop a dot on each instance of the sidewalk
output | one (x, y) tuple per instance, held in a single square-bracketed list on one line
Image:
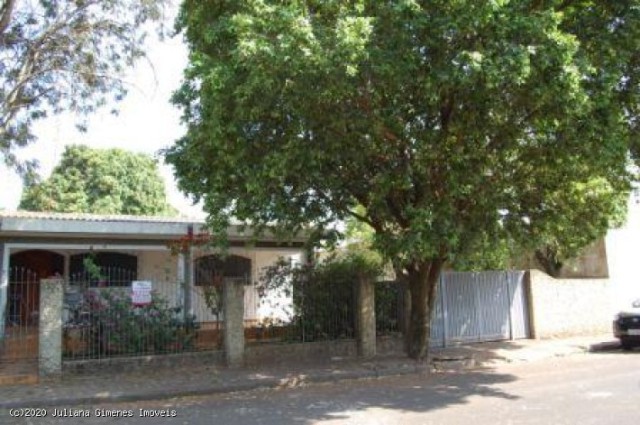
[(202, 380)]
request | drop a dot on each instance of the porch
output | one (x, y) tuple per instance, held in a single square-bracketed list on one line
[(100, 257)]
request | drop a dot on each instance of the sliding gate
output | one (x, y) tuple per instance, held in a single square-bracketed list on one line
[(480, 306)]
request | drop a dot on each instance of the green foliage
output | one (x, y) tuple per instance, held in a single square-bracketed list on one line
[(323, 295), (358, 234), (448, 121), (592, 208), (93, 271), (453, 124), (118, 327), (63, 55), (213, 298), (487, 254), (109, 181)]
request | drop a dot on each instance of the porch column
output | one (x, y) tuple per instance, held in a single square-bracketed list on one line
[(66, 275), (185, 278), (180, 276), (233, 309), (4, 286), (188, 282), (366, 317), (50, 327)]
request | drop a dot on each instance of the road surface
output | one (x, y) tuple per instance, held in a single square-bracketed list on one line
[(581, 389)]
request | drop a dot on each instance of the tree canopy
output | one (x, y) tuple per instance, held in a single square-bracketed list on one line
[(100, 181), (454, 124), (64, 55)]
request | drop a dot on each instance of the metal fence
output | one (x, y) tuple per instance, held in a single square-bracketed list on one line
[(480, 306), (469, 307), (19, 337), (389, 307), (304, 312), (102, 321)]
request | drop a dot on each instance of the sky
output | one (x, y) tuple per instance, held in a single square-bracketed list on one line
[(147, 123)]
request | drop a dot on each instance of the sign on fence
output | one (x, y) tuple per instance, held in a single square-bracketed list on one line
[(141, 292)]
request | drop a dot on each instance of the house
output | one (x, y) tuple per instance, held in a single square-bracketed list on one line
[(124, 249)]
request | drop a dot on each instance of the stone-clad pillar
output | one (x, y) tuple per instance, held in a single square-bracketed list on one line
[(366, 317), (50, 338), (4, 287), (233, 308)]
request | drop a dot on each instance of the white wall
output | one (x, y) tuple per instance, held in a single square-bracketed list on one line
[(161, 268), (569, 307), (623, 253)]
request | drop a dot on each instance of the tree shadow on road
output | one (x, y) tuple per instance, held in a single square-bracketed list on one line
[(352, 400)]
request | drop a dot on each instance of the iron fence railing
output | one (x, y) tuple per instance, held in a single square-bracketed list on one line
[(304, 312), (103, 277), (19, 330), (104, 322), (389, 307)]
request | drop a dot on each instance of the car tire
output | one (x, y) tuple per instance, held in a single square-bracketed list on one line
[(626, 345)]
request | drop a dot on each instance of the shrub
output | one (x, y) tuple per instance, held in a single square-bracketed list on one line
[(322, 295), (118, 327)]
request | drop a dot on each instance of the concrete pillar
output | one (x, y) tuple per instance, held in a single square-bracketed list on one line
[(185, 282), (4, 286), (528, 288), (66, 275), (50, 338), (366, 317), (188, 283), (233, 310), (181, 277)]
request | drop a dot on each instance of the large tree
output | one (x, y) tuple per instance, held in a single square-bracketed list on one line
[(100, 181), (452, 123), (64, 55)]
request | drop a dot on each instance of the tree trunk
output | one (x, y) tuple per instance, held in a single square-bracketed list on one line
[(549, 261), (422, 279)]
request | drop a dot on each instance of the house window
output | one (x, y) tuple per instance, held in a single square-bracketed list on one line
[(212, 269), (112, 269)]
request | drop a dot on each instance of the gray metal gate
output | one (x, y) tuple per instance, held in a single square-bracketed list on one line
[(479, 306)]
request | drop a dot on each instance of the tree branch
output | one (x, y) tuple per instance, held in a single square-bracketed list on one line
[(376, 226), (5, 17)]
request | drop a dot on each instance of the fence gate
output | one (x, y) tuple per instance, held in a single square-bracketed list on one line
[(19, 330), (480, 306)]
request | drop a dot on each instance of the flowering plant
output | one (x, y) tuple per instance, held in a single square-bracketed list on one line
[(117, 326)]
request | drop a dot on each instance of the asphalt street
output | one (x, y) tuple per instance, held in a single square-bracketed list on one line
[(584, 389)]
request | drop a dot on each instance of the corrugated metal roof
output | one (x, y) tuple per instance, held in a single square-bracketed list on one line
[(98, 225), (97, 217)]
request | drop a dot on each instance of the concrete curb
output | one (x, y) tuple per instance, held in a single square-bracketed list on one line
[(604, 346), (264, 384), (440, 363)]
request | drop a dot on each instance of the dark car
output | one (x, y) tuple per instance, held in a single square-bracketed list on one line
[(626, 326)]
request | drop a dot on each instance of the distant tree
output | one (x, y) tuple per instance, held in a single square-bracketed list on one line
[(64, 55), (100, 181), (455, 125), (590, 209)]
